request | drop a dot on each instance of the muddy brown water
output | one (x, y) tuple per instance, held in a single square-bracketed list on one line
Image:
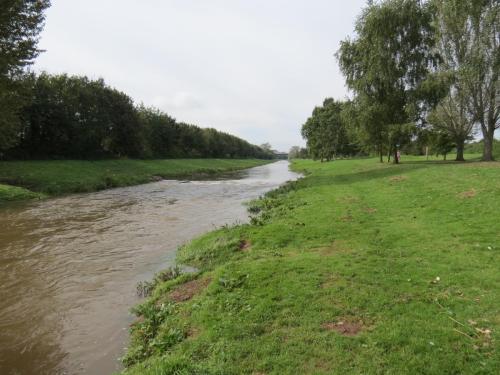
[(69, 266)]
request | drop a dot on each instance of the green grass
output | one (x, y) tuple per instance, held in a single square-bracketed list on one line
[(410, 254), (14, 193), (57, 177)]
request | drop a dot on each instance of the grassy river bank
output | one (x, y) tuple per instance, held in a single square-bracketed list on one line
[(358, 268), (20, 180)]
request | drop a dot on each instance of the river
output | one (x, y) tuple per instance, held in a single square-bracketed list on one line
[(69, 266)]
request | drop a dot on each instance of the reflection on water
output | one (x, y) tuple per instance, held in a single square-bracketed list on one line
[(69, 266)]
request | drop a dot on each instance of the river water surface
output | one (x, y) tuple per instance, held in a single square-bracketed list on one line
[(69, 266)]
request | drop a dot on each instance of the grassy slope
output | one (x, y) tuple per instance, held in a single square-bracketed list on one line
[(14, 193), (58, 177), (354, 241)]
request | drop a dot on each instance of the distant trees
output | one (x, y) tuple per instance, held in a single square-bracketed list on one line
[(78, 118), (297, 152), (74, 117), (20, 23), (327, 133)]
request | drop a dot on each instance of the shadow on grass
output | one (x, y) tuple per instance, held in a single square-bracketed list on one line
[(380, 172)]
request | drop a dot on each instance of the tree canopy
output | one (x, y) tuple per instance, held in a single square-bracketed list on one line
[(20, 24)]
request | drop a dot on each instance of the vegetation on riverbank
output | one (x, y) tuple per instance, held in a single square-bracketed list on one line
[(359, 267), (57, 177), (15, 193)]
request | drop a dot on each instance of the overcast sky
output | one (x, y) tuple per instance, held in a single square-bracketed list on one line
[(253, 68)]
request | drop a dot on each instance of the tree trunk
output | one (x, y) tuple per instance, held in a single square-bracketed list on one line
[(460, 151), (396, 159), (380, 152), (488, 146)]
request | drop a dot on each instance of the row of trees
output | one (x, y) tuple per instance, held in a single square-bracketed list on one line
[(60, 116), (75, 117), (422, 72)]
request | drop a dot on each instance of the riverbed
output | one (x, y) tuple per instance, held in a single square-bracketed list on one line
[(69, 266)]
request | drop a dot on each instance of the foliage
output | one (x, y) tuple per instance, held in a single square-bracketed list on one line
[(297, 152), (450, 117), (14, 193), (145, 288), (468, 40), (20, 23), (326, 132), (386, 65), (407, 252), (75, 117)]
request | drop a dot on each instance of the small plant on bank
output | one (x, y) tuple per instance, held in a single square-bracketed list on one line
[(145, 288)]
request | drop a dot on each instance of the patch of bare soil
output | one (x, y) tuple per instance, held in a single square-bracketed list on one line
[(345, 328), (188, 290), (370, 210), (347, 218), (468, 194), (156, 178), (245, 245), (349, 199), (398, 178), (336, 247)]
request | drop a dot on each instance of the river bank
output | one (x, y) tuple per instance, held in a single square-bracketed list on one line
[(21, 180), (70, 265), (359, 267)]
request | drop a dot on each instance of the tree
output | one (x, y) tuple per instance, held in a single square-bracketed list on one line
[(442, 143), (451, 117), (266, 147), (469, 44), (326, 131), (297, 152), (386, 64), (20, 24)]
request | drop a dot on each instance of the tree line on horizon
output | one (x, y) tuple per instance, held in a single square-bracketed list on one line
[(424, 76), (45, 116), (79, 118)]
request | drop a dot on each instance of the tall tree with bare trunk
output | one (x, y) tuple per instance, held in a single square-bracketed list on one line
[(468, 41)]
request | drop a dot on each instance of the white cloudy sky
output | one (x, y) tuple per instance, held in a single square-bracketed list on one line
[(253, 68)]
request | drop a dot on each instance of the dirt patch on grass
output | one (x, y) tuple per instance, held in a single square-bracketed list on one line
[(337, 246), (193, 333), (344, 327), (370, 210), (329, 281), (245, 245), (398, 178), (347, 218), (468, 194), (349, 199), (188, 290)]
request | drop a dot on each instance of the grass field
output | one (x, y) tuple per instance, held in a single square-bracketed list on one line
[(57, 177), (359, 268)]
